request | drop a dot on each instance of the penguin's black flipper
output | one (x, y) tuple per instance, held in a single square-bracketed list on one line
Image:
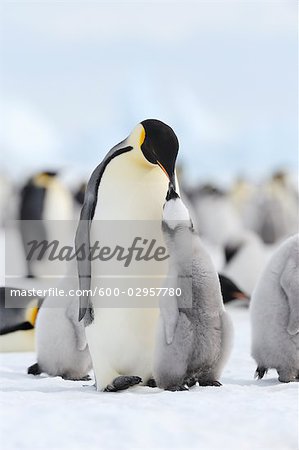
[(18, 327), (82, 241)]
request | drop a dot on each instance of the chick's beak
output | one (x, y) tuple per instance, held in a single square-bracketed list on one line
[(240, 295)]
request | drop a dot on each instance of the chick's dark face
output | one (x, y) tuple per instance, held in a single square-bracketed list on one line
[(160, 146)]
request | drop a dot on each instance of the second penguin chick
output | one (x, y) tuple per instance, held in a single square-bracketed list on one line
[(194, 332), (275, 314), (62, 348)]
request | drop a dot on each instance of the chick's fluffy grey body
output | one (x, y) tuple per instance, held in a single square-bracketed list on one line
[(275, 314), (194, 332), (62, 348)]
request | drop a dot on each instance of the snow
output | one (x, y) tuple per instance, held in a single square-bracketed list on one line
[(51, 413)]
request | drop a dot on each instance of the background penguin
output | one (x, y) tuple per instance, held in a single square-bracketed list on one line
[(43, 199), (17, 323), (275, 314), (60, 339), (7, 195), (246, 257), (274, 209), (230, 291), (80, 193), (129, 186), (195, 332), (213, 206)]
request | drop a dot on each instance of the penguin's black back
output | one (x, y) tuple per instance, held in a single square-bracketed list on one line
[(32, 201)]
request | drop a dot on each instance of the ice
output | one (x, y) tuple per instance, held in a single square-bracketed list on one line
[(42, 412)]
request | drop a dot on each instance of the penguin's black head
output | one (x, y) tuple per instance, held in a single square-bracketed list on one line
[(160, 146)]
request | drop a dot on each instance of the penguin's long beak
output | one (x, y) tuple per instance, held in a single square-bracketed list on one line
[(170, 176)]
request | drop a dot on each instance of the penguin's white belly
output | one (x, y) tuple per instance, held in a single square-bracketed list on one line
[(122, 340)]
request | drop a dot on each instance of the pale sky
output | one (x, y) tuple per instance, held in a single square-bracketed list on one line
[(77, 76)]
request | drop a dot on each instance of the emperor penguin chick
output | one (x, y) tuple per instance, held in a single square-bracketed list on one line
[(194, 332), (274, 309), (61, 344)]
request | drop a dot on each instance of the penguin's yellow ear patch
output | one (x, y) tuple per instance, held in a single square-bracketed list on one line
[(31, 315), (142, 137), (42, 180)]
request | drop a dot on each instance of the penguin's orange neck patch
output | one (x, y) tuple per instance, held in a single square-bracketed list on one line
[(164, 170)]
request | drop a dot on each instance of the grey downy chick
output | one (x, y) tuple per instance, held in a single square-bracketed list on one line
[(62, 349), (194, 333), (274, 311)]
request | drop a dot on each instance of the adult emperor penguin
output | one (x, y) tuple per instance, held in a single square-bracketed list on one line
[(128, 187), (195, 332), (44, 200), (275, 314)]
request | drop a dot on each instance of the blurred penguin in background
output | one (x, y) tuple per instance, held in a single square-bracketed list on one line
[(7, 199), (43, 199), (216, 217), (17, 320), (243, 194), (231, 292), (274, 209), (275, 314), (244, 255), (78, 196), (212, 207)]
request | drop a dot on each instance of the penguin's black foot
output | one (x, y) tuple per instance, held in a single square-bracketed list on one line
[(209, 383), (73, 378), (260, 372), (151, 383), (85, 378), (190, 382), (34, 370), (286, 376), (122, 382), (283, 379), (177, 388)]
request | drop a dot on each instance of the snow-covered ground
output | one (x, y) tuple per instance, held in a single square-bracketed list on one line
[(41, 412)]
